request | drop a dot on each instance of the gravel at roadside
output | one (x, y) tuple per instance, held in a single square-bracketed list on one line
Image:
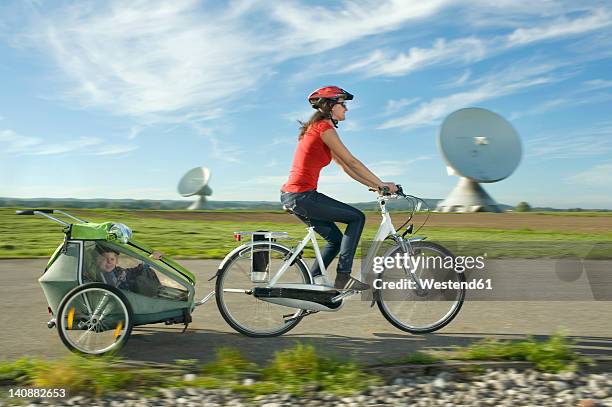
[(493, 388)]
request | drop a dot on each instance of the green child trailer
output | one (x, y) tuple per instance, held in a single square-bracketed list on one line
[(100, 282)]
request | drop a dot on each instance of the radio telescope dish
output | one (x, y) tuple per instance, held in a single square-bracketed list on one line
[(479, 146), (195, 183)]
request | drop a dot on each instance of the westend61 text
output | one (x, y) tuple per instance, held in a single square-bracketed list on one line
[(428, 284), (412, 263)]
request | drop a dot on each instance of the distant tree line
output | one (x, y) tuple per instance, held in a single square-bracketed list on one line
[(148, 204), (93, 203), (152, 204)]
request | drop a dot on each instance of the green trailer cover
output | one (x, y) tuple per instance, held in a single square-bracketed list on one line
[(91, 231), (149, 310), (62, 275), (101, 231), (164, 262)]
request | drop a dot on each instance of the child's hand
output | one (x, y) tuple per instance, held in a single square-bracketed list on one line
[(156, 255)]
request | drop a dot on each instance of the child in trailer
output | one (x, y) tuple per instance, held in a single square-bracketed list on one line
[(139, 279)]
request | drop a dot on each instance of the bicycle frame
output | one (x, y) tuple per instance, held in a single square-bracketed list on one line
[(260, 319), (385, 229)]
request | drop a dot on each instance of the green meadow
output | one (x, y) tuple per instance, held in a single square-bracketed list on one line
[(35, 236)]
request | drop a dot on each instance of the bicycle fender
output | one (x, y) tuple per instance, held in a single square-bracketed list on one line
[(229, 255)]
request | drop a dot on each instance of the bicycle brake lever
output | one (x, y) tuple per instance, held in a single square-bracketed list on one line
[(400, 191)]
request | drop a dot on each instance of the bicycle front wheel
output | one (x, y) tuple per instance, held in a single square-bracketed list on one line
[(409, 300), (233, 291)]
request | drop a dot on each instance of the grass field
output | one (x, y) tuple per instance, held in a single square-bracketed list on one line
[(209, 234)]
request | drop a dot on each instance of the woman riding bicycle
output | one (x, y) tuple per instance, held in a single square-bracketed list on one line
[(318, 144)]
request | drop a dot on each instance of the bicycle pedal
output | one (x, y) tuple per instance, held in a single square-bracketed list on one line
[(348, 290), (344, 294)]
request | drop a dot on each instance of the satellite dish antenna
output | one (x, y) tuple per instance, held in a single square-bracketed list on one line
[(479, 146), (195, 182)]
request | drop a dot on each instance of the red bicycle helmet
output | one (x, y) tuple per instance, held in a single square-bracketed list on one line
[(332, 93)]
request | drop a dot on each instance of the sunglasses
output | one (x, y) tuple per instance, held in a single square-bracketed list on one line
[(343, 104)]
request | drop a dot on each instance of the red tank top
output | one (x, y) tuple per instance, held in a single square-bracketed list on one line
[(311, 155)]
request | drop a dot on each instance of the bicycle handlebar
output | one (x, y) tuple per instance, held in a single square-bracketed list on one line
[(33, 211), (384, 191), (47, 213)]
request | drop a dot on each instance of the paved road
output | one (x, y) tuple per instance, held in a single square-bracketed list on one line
[(356, 331)]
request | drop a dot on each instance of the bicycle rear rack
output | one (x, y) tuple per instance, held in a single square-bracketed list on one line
[(263, 234)]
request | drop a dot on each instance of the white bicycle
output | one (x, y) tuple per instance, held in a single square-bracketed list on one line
[(264, 289)]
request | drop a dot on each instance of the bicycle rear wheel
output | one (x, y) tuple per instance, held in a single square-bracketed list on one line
[(422, 309), (240, 309)]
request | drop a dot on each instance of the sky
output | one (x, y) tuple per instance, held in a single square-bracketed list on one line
[(116, 99)]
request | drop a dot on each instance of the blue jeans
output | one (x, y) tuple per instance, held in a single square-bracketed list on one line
[(320, 211)]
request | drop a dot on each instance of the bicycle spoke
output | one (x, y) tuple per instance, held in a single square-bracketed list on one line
[(94, 321), (421, 309)]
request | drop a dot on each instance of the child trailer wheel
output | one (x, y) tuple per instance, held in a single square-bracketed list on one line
[(95, 319)]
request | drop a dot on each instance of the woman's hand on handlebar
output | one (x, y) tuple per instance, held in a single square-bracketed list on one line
[(388, 186), (385, 188)]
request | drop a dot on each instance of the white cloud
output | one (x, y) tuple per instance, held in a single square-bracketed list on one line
[(301, 115), (590, 142), (158, 62), (542, 108), (380, 63), (460, 81), (226, 151), (142, 58), (115, 149), (345, 22), (590, 93), (135, 131), (221, 150), (394, 168), (97, 191), (467, 50), (81, 143), (157, 59), (500, 83), (269, 180), (561, 28), (507, 13), (333, 176), (596, 176), (17, 144), (395, 105), (284, 140), (350, 125), (596, 84)]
